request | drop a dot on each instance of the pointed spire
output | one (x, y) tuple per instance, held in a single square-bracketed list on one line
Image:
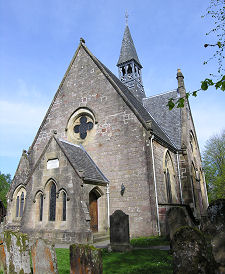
[(128, 51)]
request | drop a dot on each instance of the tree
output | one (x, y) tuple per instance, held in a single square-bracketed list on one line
[(214, 166), (5, 181), (216, 11)]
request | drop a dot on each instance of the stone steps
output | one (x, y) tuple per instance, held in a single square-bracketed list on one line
[(100, 237)]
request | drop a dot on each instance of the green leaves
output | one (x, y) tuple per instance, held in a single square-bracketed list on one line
[(206, 83), (214, 166), (5, 181), (171, 104)]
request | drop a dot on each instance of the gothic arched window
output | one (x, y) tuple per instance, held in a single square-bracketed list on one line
[(64, 207), (41, 200), (21, 204), (17, 205), (52, 202)]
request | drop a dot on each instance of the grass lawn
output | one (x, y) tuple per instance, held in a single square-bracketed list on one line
[(149, 241), (136, 261)]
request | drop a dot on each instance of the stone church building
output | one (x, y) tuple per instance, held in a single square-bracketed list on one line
[(102, 146)]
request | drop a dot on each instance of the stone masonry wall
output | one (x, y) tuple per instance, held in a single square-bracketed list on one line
[(118, 148)]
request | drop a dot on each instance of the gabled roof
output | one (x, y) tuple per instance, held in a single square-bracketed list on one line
[(128, 51), (82, 162), (141, 113), (168, 120), (79, 160)]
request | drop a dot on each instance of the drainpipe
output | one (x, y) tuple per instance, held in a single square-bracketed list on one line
[(179, 178), (154, 177), (107, 193)]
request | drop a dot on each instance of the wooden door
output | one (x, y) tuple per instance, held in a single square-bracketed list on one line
[(93, 209)]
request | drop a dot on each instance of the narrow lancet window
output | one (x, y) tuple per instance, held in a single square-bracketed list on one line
[(52, 204), (41, 207), (17, 206), (64, 207), (21, 204)]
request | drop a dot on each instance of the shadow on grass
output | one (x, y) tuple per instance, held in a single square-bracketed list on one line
[(133, 262), (138, 261)]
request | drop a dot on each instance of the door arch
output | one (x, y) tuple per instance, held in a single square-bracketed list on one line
[(93, 209)]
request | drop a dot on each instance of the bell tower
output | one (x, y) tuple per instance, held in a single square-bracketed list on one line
[(130, 66)]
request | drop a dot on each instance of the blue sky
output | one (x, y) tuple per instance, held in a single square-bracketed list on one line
[(38, 39)]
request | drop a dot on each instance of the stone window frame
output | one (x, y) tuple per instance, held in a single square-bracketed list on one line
[(193, 143), (172, 195), (60, 205), (17, 213), (74, 120)]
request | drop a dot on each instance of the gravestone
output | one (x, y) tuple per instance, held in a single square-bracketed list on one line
[(191, 253), (176, 218), (16, 247), (43, 257), (215, 230), (119, 231), (85, 259)]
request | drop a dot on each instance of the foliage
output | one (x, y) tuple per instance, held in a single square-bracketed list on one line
[(216, 11), (135, 261), (149, 241), (5, 181), (214, 166)]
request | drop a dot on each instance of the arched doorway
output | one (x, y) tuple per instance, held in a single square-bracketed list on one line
[(93, 210)]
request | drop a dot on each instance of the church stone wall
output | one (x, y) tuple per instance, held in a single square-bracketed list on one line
[(65, 178), (118, 147)]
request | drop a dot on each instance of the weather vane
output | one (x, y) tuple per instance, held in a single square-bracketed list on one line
[(126, 17)]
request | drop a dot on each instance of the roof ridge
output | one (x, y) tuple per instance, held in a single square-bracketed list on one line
[(159, 94)]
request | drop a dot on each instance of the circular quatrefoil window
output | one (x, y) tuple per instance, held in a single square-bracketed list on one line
[(80, 126)]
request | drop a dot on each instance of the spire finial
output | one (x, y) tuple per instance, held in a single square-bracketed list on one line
[(126, 17)]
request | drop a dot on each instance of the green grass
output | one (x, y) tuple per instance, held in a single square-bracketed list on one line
[(63, 260), (133, 262), (138, 261), (149, 241)]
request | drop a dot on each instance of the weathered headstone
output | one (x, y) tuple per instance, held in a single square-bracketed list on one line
[(43, 257), (85, 259), (119, 231), (176, 218), (16, 247), (191, 254), (215, 231)]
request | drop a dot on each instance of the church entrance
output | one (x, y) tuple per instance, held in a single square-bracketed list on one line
[(93, 210)]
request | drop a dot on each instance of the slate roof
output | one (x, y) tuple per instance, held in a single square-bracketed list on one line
[(127, 51), (168, 120), (82, 161), (138, 107)]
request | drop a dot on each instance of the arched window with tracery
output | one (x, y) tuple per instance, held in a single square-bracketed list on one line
[(19, 197), (52, 202)]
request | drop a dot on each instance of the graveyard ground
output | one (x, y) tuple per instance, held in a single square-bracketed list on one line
[(136, 261)]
